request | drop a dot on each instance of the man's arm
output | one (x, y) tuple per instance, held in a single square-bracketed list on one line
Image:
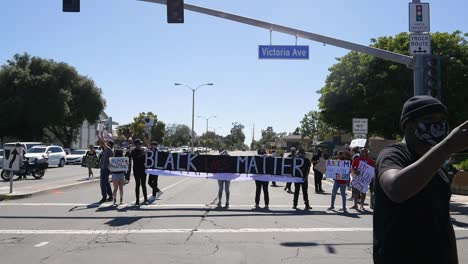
[(101, 139), (401, 185)]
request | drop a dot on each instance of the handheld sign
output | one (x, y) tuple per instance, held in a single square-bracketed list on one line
[(118, 164), (338, 169), (362, 180)]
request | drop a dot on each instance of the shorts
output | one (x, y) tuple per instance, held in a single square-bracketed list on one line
[(118, 176)]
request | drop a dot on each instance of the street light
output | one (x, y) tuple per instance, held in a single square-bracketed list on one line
[(193, 106), (207, 118)]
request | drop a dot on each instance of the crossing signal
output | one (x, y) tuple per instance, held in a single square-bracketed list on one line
[(175, 11), (71, 5), (419, 16), (432, 76)]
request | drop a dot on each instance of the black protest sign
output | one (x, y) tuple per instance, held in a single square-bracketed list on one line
[(296, 167)]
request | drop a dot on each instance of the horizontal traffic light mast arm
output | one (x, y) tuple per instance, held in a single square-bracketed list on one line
[(380, 53)]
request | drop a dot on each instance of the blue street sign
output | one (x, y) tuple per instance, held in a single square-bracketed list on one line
[(283, 52)]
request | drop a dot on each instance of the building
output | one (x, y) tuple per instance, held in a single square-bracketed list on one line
[(87, 133)]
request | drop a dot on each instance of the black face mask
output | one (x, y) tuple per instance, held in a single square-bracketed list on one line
[(431, 132)]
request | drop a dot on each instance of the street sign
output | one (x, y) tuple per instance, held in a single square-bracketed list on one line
[(361, 136), (419, 20), (420, 44), (283, 52), (12, 157), (360, 126)]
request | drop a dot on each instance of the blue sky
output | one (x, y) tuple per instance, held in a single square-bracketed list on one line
[(135, 57)]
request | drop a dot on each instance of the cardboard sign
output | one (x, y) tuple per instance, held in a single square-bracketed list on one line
[(365, 175), (338, 169), (321, 165), (90, 162), (118, 164)]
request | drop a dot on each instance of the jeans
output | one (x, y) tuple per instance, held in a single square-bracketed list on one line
[(223, 185), (140, 179), (153, 183), (297, 189), (106, 190), (259, 186), (318, 176), (342, 188)]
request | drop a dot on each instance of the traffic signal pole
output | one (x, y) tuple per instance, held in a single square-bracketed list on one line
[(418, 75)]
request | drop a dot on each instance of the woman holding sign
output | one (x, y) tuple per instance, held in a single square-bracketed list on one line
[(118, 176), (364, 158)]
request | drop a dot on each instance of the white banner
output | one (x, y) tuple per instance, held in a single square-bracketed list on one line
[(226, 176), (118, 164), (365, 175)]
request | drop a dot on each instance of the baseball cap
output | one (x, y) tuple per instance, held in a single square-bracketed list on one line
[(421, 105), (137, 141)]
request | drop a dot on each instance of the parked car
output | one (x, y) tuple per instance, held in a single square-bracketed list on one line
[(98, 150), (1, 158), (55, 154), (75, 156), (26, 145)]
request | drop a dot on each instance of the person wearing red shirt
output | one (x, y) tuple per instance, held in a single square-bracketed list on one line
[(363, 157)]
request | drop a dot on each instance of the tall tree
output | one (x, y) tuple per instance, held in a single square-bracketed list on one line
[(235, 140), (136, 129), (39, 95), (211, 140), (362, 86), (177, 135), (312, 124)]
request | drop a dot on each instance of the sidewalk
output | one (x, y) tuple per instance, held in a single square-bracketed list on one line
[(55, 179)]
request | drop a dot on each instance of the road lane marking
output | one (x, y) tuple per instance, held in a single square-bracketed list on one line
[(41, 244), (152, 205), (188, 230)]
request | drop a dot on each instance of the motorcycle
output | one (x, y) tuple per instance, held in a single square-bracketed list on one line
[(35, 168)]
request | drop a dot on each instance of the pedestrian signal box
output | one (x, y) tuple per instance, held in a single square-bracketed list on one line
[(175, 11)]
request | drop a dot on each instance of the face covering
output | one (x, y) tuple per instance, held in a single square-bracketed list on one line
[(431, 132)]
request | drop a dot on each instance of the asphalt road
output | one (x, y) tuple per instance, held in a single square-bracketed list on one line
[(184, 226)]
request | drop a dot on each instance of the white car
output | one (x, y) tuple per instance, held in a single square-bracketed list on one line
[(1, 158), (55, 154), (75, 156)]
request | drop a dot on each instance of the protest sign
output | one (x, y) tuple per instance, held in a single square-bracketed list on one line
[(338, 169), (118, 164), (90, 162), (265, 168), (321, 165), (365, 175)]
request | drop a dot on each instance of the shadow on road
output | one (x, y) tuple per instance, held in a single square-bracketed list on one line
[(330, 247)]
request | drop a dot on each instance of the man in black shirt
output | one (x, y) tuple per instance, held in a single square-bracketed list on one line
[(412, 193), (138, 156), (304, 185)]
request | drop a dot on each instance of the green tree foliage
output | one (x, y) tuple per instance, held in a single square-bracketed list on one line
[(211, 140), (362, 86), (312, 124), (37, 95), (177, 135), (136, 129), (235, 140)]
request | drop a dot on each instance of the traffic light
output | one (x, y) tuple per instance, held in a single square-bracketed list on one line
[(71, 5), (432, 76), (419, 16), (175, 11)]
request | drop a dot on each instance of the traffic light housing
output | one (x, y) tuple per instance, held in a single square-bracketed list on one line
[(432, 76), (175, 11), (419, 15), (71, 5)]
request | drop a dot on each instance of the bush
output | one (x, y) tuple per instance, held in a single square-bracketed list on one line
[(462, 165)]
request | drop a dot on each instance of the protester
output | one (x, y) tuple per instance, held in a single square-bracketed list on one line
[(128, 172), (259, 185), (223, 184), (153, 179), (274, 154), (138, 156), (90, 154), (363, 157), (107, 152), (292, 155), (412, 193), (319, 163), (118, 180), (304, 185), (340, 184)]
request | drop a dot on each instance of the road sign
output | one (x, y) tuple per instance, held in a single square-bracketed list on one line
[(283, 52), (419, 20), (360, 136), (360, 126), (12, 157), (420, 44)]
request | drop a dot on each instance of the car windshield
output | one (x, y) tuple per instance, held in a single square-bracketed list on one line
[(37, 150), (28, 146), (78, 152)]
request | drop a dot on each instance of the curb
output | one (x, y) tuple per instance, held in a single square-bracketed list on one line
[(13, 196)]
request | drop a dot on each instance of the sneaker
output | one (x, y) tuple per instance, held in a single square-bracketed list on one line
[(110, 199), (145, 202), (343, 210), (226, 206), (102, 200), (159, 194), (152, 199), (353, 207), (267, 207), (308, 207), (331, 208), (256, 207), (294, 207), (218, 205)]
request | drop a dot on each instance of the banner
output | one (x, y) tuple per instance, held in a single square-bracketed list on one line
[(221, 167), (364, 177), (118, 164), (90, 162), (338, 169)]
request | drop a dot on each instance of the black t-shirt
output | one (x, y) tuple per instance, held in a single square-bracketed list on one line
[(418, 230), (139, 158)]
